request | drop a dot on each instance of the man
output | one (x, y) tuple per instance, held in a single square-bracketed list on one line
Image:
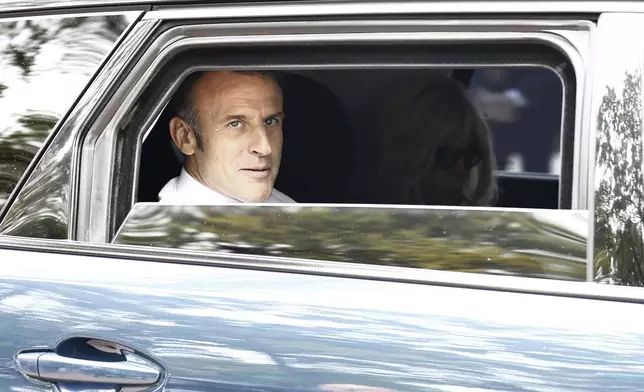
[(228, 125)]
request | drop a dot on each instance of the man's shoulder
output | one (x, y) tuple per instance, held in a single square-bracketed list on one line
[(167, 194), (281, 197), (185, 190)]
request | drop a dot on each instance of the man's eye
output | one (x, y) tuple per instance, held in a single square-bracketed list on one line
[(234, 124), (271, 121)]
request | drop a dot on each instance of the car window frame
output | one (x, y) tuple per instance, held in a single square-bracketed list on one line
[(93, 226)]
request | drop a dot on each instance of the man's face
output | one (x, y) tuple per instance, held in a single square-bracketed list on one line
[(241, 120)]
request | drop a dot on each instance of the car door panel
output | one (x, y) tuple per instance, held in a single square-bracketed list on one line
[(212, 328)]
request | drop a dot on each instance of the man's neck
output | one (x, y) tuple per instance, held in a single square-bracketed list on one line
[(193, 171)]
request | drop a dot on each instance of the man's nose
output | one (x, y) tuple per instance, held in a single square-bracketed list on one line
[(260, 144)]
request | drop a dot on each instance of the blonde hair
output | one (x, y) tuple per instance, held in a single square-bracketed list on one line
[(410, 124)]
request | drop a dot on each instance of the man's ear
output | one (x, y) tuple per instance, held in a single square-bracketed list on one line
[(183, 135)]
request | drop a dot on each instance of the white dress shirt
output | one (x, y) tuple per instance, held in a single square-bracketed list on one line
[(185, 189)]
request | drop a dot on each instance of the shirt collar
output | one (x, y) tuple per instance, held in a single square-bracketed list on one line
[(185, 189), (188, 185)]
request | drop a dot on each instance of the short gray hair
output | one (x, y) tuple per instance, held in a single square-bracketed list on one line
[(183, 104)]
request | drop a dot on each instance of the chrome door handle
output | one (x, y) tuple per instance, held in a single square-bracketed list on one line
[(51, 367)]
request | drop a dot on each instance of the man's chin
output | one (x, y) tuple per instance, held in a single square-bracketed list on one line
[(256, 197)]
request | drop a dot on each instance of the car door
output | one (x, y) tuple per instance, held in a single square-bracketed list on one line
[(138, 313), (104, 323)]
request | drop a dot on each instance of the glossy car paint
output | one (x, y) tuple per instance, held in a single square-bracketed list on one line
[(216, 328), (233, 329)]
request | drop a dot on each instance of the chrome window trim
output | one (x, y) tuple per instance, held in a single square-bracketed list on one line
[(72, 128), (305, 9), (138, 39), (333, 269), (102, 135), (52, 7), (526, 175), (585, 140), (513, 6), (74, 14)]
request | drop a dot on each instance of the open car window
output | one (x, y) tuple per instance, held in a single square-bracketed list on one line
[(394, 137)]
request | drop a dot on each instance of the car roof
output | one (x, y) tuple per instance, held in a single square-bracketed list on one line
[(507, 6), (33, 5)]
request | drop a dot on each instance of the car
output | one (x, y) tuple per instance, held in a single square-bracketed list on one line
[(104, 288)]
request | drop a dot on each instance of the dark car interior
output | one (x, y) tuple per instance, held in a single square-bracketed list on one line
[(326, 110)]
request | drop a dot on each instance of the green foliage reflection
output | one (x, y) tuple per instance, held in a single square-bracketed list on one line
[(34, 54), (619, 246), (506, 242)]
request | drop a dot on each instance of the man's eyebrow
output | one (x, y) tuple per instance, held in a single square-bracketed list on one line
[(243, 117), (240, 117), (277, 114)]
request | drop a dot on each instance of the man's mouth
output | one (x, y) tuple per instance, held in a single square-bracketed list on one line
[(257, 172)]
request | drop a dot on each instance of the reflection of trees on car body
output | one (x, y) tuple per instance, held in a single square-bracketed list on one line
[(41, 58), (619, 248)]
